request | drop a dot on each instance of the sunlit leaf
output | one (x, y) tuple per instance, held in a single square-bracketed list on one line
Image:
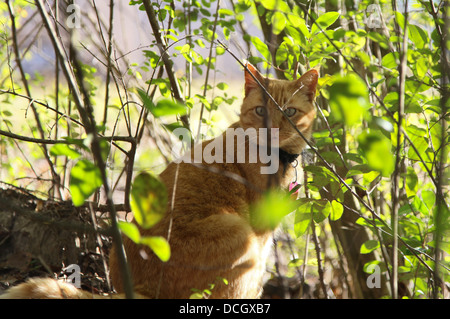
[(262, 48), (130, 230), (336, 210), (164, 107), (349, 99), (64, 150), (222, 86), (270, 209), (269, 4), (321, 209), (148, 199), (400, 18), (377, 149), (418, 36), (429, 198), (412, 182), (158, 245), (324, 21), (391, 60), (303, 217), (369, 246), (420, 206), (278, 22), (299, 23), (281, 54), (85, 178)]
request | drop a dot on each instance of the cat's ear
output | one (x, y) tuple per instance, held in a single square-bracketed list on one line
[(308, 83), (250, 82)]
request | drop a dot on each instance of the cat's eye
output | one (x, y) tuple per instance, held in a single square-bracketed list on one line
[(290, 111), (260, 110)]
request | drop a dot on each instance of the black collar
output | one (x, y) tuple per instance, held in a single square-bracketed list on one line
[(286, 157)]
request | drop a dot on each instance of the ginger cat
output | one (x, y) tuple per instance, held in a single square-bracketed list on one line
[(211, 235)]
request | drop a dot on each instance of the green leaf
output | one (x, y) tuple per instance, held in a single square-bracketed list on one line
[(158, 245), (336, 210), (64, 150), (303, 217), (369, 246), (429, 198), (349, 100), (421, 144), (400, 19), (363, 222), (270, 209), (85, 178), (377, 149), (145, 99), (196, 295), (226, 12), (324, 21), (418, 36), (299, 23), (164, 107), (321, 209), (168, 107), (269, 4), (391, 60), (262, 48), (412, 182), (222, 86), (278, 22), (420, 206), (370, 269), (379, 38), (130, 230), (282, 54), (148, 200)]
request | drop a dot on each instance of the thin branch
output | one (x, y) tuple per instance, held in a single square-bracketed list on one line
[(443, 153), (42, 104), (161, 44), (398, 157), (71, 141), (319, 260), (208, 68)]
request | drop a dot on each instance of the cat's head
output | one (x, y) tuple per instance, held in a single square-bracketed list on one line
[(295, 99)]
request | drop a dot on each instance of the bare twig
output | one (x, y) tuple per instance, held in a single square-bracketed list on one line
[(398, 157), (151, 14), (208, 68), (443, 153), (72, 141), (319, 260)]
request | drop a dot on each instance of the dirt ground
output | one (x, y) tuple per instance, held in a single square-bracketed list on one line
[(42, 238)]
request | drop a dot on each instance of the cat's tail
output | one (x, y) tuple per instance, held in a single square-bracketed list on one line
[(47, 288)]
